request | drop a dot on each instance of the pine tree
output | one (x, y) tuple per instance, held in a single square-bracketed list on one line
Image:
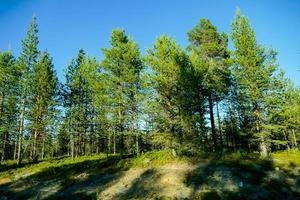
[(78, 100), (172, 105), (210, 58), (253, 70), (43, 87), (123, 65), (27, 59), (8, 99)]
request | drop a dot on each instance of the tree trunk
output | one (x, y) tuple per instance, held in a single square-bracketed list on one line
[(35, 152), (114, 143), (43, 147), (137, 143), (15, 148), (219, 124), (72, 147), (212, 122), (286, 139), (262, 146), (294, 138), (263, 149), (4, 146), (109, 144), (137, 133), (21, 130)]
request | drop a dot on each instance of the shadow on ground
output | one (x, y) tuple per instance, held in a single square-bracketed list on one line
[(71, 181), (241, 179), (231, 179)]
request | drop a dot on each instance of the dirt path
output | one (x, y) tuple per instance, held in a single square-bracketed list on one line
[(161, 182)]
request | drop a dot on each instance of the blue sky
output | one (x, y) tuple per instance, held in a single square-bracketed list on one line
[(67, 25)]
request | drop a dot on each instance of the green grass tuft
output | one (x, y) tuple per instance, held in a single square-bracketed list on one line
[(287, 158)]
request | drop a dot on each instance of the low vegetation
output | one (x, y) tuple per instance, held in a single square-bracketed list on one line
[(155, 175)]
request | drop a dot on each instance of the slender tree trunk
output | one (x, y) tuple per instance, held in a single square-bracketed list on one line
[(69, 147), (294, 138), (15, 148), (137, 133), (233, 137), (109, 144), (114, 142), (4, 145), (120, 122), (212, 122), (72, 147), (43, 146), (262, 145), (21, 125), (286, 139), (219, 124), (35, 152)]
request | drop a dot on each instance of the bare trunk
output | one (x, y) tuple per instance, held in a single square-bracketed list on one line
[(263, 149), (4, 146), (212, 122), (72, 147), (114, 143), (35, 153), (137, 143), (137, 133), (21, 125), (43, 147), (15, 148), (294, 138), (69, 147), (219, 124), (286, 139), (109, 144), (262, 145)]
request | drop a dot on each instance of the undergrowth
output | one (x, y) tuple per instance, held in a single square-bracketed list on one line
[(287, 158)]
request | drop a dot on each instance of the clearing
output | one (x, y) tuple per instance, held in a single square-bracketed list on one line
[(154, 175)]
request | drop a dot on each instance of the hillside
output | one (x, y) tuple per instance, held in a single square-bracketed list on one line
[(154, 175)]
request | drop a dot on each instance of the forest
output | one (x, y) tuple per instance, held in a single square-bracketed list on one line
[(203, 99)]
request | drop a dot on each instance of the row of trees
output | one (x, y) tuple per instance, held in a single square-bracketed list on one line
[(205, 98), (28, 94)]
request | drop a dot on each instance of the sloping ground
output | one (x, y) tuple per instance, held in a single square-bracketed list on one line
[(166, 181), (101, 178)]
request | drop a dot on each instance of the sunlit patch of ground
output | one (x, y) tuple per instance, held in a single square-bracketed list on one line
[(154, 175)]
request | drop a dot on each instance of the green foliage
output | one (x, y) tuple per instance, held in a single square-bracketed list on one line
[(9, 77), (128, 104), (210, 59), (287, 158), (150, 159), (29, 168)]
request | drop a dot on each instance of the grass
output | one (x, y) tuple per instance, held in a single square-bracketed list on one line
[(287, 158), (151, 159), (10, 170), (97, 170)]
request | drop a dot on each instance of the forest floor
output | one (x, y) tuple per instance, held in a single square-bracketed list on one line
[(154, 175)]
